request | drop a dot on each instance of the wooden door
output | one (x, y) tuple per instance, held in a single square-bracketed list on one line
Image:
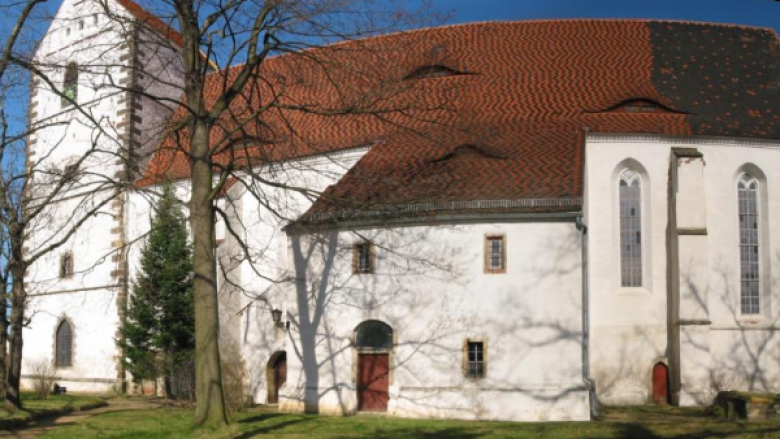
[(373, 382), (279, 377), (660, 384)]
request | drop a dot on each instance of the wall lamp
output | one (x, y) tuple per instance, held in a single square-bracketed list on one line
[(276, 315)]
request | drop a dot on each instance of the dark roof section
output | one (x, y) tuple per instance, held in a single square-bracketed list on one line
[(535, 86), (726, 77), (432, 71)]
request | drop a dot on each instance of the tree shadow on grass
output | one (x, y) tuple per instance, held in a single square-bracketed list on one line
[(717, 430), (267, 428), (262, 417)]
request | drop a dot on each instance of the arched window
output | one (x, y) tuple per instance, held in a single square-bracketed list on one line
[(64, 345), (749, 241), (374, 334), (70, 85), (630, 193)]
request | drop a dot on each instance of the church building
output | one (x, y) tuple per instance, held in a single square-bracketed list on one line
[(553, 214)]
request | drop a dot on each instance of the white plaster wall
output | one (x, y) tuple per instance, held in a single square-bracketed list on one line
[(629, 325), (430, 287), (97, 48), (161, 76), (260, 275), (88, 299), (94, 318)]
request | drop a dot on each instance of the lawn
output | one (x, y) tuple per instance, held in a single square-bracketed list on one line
[(34, 407), (170, 423)]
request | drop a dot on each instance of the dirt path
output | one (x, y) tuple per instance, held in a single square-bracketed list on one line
[(37, 428)]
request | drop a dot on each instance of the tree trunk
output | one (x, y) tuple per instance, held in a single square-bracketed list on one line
[(15, 351), (3, 346), (210, 410)]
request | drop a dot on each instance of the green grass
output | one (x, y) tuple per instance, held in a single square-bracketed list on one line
[(634, 423), (34, 407)]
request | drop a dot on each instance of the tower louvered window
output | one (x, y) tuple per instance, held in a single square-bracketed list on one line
[(630, 229), (70, 85), (64, 345), (750, 270)]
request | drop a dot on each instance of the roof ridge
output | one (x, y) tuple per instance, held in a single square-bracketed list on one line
[(514, 23)]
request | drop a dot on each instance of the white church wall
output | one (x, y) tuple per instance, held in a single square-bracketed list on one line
[(80, 33), (430, 287), (94, 319), (630, 325), (262, 231), (160, 75)]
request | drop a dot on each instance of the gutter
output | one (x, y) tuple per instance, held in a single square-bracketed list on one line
[(431, 219), (590, 383)]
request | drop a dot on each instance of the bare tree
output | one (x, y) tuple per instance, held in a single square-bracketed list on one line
[(32, 189), (222, 111), (235, 94)]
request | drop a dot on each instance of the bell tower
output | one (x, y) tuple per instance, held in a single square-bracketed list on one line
[(95, 122)]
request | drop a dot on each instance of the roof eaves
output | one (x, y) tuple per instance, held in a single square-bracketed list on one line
[(302, 228)]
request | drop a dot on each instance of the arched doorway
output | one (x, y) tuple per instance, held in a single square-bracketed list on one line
[(373, 341), (660, 384), (276, 375)]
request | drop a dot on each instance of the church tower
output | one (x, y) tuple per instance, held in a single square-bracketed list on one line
[(95, 125)]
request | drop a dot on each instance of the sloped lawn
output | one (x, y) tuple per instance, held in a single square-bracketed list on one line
[(54, 405), (635, 423)]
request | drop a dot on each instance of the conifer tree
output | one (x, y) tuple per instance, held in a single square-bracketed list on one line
[(159, 325)]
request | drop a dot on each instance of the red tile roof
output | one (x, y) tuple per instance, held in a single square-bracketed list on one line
[(510, 126)]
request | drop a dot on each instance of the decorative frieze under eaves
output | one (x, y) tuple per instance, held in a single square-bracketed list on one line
[(683, 140)]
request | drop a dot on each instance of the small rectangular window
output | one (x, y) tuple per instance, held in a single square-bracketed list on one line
[(475, 359), (66, 266), (495, 254), (363, 258)]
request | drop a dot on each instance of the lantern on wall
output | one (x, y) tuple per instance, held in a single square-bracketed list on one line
[(276, 315)]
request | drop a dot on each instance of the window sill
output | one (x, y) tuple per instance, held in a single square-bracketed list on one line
[(633, 291), (752, 320)]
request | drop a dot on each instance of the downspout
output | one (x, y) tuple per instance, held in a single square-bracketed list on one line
[(590, 383)]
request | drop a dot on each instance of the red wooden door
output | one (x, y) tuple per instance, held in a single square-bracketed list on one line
[(373, 382), (280, 377), (660, 384)]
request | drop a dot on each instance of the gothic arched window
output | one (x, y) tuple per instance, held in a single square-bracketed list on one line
[(630, 196), (64, 345), (374, 334), (70, 85), (749, 241)]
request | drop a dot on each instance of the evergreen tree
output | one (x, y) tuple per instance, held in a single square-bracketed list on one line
[(158, 332)]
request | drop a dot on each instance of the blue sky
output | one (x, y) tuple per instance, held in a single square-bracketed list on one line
[(765, 13)]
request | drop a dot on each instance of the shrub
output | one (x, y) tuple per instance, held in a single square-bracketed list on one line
[(43, 378)]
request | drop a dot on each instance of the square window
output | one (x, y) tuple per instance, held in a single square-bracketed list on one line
[(495, 254), (363, 258), (475, 359)]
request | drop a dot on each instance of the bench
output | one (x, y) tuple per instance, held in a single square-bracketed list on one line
[(59, 390)]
